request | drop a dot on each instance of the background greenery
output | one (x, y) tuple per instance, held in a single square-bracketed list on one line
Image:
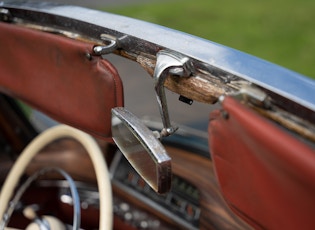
[(281, 31)]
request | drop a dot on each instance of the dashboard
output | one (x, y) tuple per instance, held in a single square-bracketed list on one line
[(194, 201), (181, 204)]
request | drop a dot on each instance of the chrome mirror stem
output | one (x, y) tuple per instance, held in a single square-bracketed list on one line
[(169, 62)]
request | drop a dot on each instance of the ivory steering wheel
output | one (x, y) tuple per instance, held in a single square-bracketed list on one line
[(96, 155)]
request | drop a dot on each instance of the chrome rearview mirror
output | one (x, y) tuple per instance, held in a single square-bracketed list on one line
[(142, 149)]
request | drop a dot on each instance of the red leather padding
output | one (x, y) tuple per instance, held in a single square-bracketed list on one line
[(53, 74), (266, 175)]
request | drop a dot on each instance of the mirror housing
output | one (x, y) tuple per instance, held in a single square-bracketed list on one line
[(142, 149)]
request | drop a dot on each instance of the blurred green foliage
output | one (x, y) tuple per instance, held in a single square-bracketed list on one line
[(280, 31)]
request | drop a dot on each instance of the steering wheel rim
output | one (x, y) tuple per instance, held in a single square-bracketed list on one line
[(99, 163)]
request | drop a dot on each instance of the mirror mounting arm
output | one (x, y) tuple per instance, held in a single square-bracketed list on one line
[(169, 63)]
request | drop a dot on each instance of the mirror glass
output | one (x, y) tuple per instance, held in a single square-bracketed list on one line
[(142, 149)]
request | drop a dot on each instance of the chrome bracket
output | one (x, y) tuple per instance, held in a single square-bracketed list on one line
[(169, 63), (5, 15), (253, 95), (111, 44)]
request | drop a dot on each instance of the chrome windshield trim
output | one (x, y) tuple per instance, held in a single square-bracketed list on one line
[(277, 79)]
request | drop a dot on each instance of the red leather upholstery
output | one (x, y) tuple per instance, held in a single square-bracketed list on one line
[(53, 74), (266, 175)]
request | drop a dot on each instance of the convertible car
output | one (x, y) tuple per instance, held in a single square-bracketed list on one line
[(73, 157)]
